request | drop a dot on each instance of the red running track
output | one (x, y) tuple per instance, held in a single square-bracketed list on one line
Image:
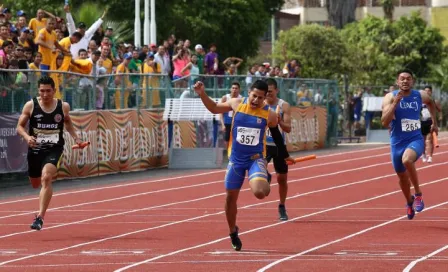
[(346, 214)]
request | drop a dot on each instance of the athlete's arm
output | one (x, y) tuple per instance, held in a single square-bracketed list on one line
[(389, 105), (426, 99), (285, 123), (23, 121), (223, 100), (68, 124), (211, 105)]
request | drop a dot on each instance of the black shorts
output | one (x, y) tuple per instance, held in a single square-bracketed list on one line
[(227, 133), (426, 127), (37, 160), (280, 165)]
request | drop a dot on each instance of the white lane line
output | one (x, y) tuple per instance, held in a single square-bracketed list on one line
[(415, 262), (184, 187), (345, 238), (197, 199), (199, 217), (183, 177), (268, 226)]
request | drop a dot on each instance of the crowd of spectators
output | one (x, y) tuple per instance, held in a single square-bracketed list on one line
[(48, 42)]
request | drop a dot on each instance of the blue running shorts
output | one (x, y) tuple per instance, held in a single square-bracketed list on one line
[(398, 150), (236, 173)]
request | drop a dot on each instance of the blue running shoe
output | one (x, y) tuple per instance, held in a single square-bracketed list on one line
[(38, 223), (419, 205)]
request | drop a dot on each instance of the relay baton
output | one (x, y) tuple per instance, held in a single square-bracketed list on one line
[(435, 141), (81, 145), (301, 159)]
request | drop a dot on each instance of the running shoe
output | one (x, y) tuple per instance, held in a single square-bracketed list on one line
[(410, 209), (236, 242), (38, 223), (282, 212), (419, 205), (424, 159), (429, 159)]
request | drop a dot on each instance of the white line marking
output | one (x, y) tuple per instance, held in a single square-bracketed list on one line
[(414, 263), (346, 237), (190, 176), (203, 184), (272, 225), (222, 194), (202, 198), (199, 217)]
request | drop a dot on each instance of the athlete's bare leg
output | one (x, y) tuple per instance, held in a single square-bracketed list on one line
[(46, 192), (409, 158)]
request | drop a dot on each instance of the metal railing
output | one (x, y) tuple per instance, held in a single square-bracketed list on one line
[(149, 91)]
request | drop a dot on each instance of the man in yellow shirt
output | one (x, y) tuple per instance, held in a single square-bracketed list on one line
[(47, 42), (38, 23), (122, 81)]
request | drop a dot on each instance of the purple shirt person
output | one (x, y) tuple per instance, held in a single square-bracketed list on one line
[(210, 60)]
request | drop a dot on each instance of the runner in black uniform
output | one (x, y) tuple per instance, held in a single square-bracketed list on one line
[(47, 117), (280, 166)]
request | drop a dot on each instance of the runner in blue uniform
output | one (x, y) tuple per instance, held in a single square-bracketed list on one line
[(247, 146), (401, 112), (226, 120)]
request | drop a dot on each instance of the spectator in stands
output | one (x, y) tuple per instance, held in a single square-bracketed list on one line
[(180, 61), (150, 82), (21, 20), (87, 35), (4, 34), (47, 42), (105, 57), (231, 65), (135, 67), (40, 22), (144, 52), (122, 82), (211, 61), (193, 68), (200, 54)]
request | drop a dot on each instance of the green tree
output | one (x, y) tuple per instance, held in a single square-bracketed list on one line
[(320, 50), (378, 48), (234, 25)]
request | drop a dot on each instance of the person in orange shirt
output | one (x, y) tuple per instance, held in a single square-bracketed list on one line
[(47, 42), (66, 43), (122, 81), (151, 82), (38, 23)]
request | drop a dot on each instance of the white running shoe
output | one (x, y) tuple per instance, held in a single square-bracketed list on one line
[(424, 158), (429, 159)]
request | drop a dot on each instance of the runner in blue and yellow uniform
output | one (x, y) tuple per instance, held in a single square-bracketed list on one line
[(401, 111), (247, 147)]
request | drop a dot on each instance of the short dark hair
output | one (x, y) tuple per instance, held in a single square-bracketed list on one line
[(81, 50), (45, 80), (237, 84), (78, 35), (271, 81), (260, 85), (405, 71), (428, 87)]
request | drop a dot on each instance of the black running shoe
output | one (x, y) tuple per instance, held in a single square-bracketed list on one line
[(38, 223), (236, 242), (282, 213)]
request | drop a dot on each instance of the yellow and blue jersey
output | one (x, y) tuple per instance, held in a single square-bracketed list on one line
[(248, 134)]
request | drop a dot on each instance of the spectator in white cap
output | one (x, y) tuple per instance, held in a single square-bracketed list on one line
[(200, 53)]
